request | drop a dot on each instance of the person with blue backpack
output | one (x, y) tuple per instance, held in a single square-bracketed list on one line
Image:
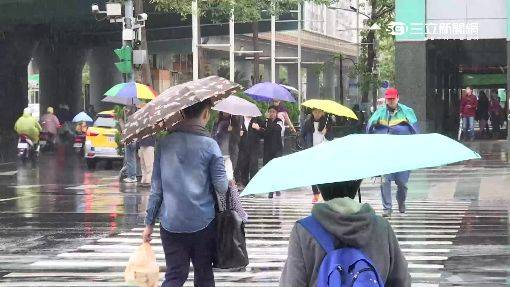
[(344, 243)]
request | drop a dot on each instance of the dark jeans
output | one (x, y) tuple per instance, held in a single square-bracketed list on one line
[(180, 248)]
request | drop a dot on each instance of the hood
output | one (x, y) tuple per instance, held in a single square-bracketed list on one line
[(352, 225)]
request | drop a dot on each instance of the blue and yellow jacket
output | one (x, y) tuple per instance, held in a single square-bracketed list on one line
[(402, 121)]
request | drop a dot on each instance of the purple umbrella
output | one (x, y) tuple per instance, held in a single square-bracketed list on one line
[(267, 92)]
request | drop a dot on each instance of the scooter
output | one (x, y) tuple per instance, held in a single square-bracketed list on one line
[(46, 142), (26, 149), (79, 141)]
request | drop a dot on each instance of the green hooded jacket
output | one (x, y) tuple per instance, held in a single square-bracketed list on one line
[(29, 126)]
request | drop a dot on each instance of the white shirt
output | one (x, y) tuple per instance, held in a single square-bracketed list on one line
[(318, 137), (247, 121)]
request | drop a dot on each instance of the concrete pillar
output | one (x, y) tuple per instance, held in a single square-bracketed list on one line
[(61, 67), (312, 83), (103, 75), (412, 78), (15, 52)]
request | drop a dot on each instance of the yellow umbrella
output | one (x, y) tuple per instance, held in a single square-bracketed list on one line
[(330, 107)]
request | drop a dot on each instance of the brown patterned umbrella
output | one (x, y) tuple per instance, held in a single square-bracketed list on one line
[(163, 112)]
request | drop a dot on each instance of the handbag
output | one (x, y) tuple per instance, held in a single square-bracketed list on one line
[(230, 245)]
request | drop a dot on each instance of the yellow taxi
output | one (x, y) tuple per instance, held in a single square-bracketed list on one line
[(100, 140)]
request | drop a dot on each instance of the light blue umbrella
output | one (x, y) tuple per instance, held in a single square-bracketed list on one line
[(82, 117), (356, 157)]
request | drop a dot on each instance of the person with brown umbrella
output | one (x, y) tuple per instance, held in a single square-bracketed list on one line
[(188, 164)]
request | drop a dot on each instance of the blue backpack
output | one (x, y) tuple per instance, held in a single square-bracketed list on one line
[(344, 267)]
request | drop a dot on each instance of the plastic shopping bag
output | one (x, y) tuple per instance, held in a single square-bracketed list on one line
[(142, 268)]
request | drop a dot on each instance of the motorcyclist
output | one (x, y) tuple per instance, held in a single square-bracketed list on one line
[(28, 125), (50, 124)]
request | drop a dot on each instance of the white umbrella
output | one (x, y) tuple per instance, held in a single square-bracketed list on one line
[(238, 107), (291, 89)]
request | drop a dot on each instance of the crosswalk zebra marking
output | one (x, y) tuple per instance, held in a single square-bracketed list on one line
[(425, 233)]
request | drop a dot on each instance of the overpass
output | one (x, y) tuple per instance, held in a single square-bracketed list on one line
[(59, 36)]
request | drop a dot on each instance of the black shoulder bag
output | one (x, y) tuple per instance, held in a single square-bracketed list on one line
[(230, 250)]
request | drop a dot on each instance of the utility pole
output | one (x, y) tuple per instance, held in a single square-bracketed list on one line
[(128, 29), (273, 42), (300, 80), (232, 58), (341, 80), (194, 40), (358, 43)]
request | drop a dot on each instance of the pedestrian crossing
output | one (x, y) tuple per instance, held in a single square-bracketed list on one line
[(426, 234)]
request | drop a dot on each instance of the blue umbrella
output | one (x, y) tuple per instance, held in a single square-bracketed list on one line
[(356, 157), (267, 92), (82, 117)]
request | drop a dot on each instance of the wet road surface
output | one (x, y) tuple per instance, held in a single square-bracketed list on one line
[(62, 225)]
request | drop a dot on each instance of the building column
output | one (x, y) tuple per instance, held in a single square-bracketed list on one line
[(103, 74), (412, 78), (312, 83), (15, 52), (61, 67)]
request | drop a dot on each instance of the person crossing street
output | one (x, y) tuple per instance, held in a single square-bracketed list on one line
[(396, 119)]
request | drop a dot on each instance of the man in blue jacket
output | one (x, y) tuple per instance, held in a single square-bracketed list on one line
[(395, 119), (188, 170)]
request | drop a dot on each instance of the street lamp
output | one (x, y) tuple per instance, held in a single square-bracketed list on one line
[(342, 76)]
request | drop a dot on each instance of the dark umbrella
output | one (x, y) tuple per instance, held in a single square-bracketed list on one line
[(164, 111)]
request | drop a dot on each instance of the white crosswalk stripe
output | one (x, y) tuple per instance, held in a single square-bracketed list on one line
[(426, 233)]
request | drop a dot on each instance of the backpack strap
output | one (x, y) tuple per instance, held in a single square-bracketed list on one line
[(313, 226)]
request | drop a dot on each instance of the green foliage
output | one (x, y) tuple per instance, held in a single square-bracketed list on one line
[(244, 10), (119, 142), (387, 59), (239, 77), (377, 61)]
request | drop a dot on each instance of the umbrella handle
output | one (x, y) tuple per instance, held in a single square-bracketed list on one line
[(359, 194)]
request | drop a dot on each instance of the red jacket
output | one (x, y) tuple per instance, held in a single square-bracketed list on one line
[(468, 105)]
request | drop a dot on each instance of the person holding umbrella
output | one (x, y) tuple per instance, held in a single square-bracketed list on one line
[(394, 119), (314, 132), (249, 139), (249, 150), (187, 166), (273, 146)]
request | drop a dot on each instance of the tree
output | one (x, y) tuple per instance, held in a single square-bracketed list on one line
[(382, 13), (244, 11)]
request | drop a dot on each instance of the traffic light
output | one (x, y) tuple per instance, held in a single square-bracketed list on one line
[(125, 54)]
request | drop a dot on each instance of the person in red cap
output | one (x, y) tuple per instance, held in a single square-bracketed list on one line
[(396, 119)]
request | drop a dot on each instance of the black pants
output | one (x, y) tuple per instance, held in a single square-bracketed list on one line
[(180, 248), (268, 156), (247, 164)]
